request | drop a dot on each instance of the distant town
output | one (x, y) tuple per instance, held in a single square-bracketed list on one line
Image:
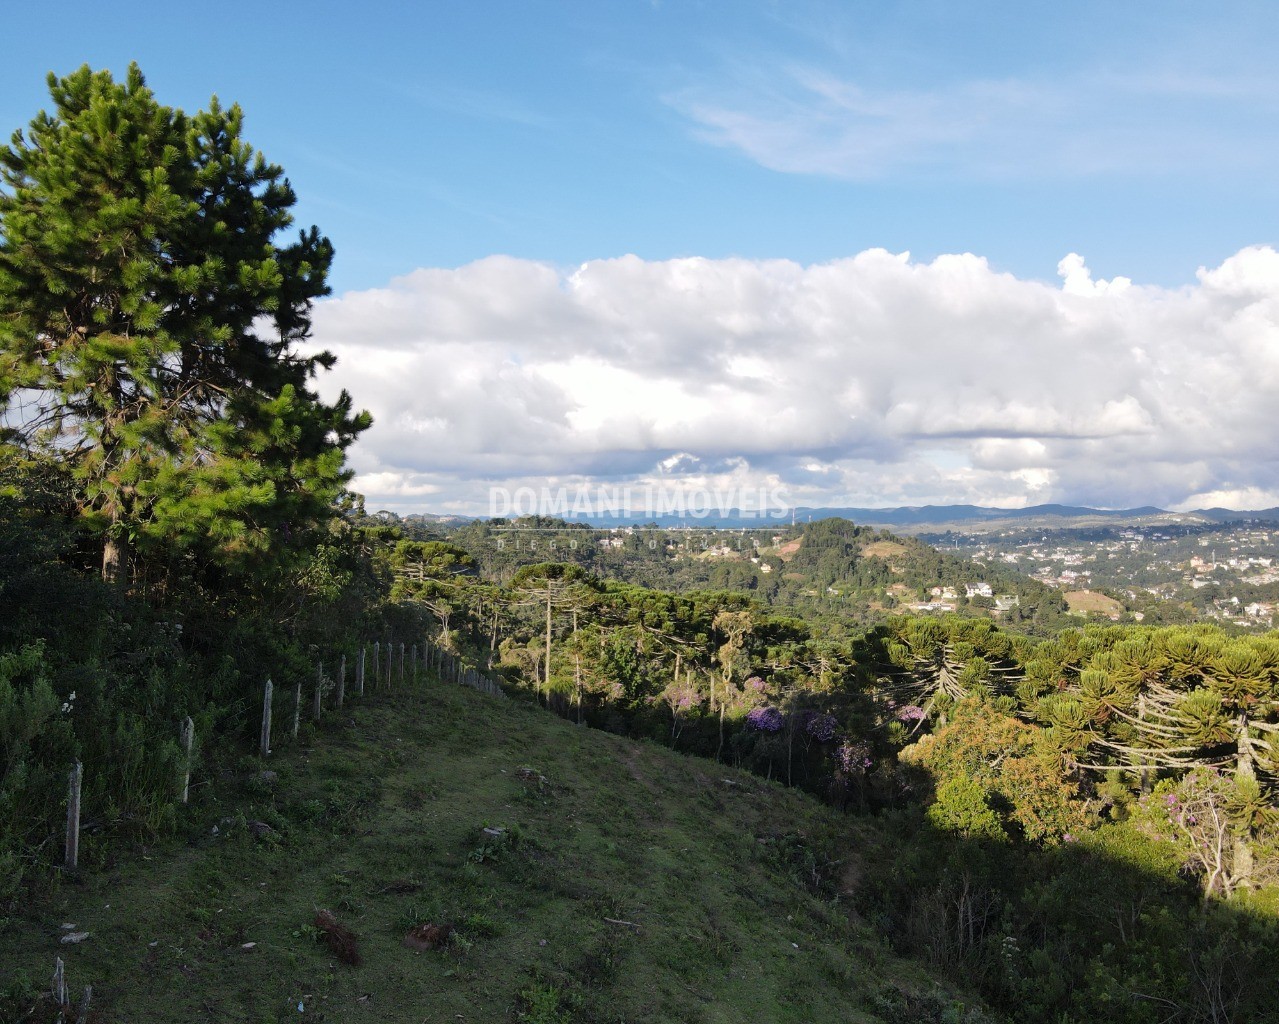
[(1227, 572)]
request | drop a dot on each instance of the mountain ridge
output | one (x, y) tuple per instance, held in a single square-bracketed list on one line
[(896, 516)]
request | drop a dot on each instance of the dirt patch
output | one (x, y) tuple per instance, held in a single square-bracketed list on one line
[(884, 549), (787, 551), (1085, 601)]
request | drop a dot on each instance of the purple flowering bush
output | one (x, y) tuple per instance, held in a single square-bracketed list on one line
[(853, 758), (764, 720), (910, 713), (821, 727)]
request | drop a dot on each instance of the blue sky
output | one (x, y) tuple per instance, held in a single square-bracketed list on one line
[(1140, 134), (426, 137)]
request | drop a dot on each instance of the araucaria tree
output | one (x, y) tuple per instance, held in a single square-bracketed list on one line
[(149, 324)]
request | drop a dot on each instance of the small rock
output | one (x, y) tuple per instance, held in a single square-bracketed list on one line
[(247, 945), (268, 777), (495, 833), (67, 927), (261, 829), (74, 937)]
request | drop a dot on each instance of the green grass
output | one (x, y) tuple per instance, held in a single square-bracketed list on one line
[(728, 886)]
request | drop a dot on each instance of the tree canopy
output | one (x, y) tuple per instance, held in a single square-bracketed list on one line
[(149, 324)]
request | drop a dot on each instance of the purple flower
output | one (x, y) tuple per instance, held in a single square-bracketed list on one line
[(756, 683), (764, 719), (910, 713), (852, 758), (821, 727), (1068, 838)]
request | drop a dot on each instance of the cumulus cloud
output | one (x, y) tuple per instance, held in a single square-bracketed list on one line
[(870, 380)]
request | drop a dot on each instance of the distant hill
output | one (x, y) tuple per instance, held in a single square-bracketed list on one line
[(907, 517), (934, 514), (1229, 515), (902, 517)]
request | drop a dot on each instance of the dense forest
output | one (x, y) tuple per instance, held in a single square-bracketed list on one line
[(1078, 822)]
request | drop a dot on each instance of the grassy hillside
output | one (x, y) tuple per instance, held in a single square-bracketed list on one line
[(621, 882)]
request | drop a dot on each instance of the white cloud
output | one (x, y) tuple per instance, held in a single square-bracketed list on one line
[(804, 119), (871, 380)]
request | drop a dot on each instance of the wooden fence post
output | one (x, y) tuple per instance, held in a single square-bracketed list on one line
[(188, 741), (73, 816), (297, 707), (319, 692), (82, 1014), (386, 679), (59, 992), (401, 663), (264, 746), (377, 660), (413, 662), (341, 681), (359, 670)]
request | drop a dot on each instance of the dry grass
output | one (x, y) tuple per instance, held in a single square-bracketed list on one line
[(885, 549), (1086, 601)]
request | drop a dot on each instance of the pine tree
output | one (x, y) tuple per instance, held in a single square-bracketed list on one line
[(149, 323)]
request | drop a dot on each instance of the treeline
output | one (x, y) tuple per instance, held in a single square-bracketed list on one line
[(828, 572)]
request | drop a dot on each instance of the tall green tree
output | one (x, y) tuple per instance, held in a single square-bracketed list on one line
[(149, 324)]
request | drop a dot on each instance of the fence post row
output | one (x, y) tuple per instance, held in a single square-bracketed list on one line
[(445, 665)]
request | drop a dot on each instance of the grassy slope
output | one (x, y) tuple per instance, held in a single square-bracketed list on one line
[(378, 817), (1084, 601)]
